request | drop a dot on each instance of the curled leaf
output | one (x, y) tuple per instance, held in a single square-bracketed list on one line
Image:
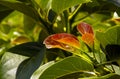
[(84, 28), (63, 41), (87, 33)]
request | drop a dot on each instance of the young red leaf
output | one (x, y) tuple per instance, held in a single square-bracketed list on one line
[(88, 38), (87, 33), (84, 28), (63, 41)]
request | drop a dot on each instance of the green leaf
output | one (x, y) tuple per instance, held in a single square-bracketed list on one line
[(29, 49), (19, 6), (28, 66), (77, 75), (108, 76), (4, 11), (60, 5), (116, 2), (8, 65), (66, 66), (111, 36), (41, 69), (29, 25), (45, 4)]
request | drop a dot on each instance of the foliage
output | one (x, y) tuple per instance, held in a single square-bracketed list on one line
[(59, 39)]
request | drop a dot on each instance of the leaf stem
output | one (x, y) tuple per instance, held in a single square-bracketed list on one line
[(76, 10)]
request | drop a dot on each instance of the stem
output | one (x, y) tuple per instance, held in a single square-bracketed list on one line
[(67, 23), (83, 55), (76, 10), (94, 52), (77, 22)]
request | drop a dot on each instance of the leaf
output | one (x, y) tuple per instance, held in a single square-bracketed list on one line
[(4, 11), (108, 76), (60, 5), (111, 36), (19, 6), (77, 75), (66, 66), (29, 49), (63, 41), (116, 2), (88, 38), (28, 66), (20, 40), (87, 33), (84, 28), (8, 65), (41, 69), (45, 4)]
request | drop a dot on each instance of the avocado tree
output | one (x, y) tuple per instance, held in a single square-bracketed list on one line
[(59, 39)]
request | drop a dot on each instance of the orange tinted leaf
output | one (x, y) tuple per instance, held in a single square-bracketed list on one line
[(88, 38), (84, 28), (63, 41), (20, 40)]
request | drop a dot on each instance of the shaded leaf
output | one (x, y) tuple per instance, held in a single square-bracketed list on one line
[(60, 5), (113, 51), (28, 66), (4, 11), (29, 49), (116, 2), (66, 66), (16, 5)]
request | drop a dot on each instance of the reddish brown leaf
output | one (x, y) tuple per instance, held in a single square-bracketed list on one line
[(84, 28), (63, 41), (88, 38)]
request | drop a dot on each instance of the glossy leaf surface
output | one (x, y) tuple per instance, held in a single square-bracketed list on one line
[(28, 66), (26, 49), (66, 66), (84, 28), (62, 40)]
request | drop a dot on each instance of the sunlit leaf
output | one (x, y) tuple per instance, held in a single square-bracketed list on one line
[(88, 38), (60, 5), (62, 40), (41, 69), (84, 28), (87, 33), (108, 76), (8, 65), (111, 36), (66, 66), (20, 40)]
